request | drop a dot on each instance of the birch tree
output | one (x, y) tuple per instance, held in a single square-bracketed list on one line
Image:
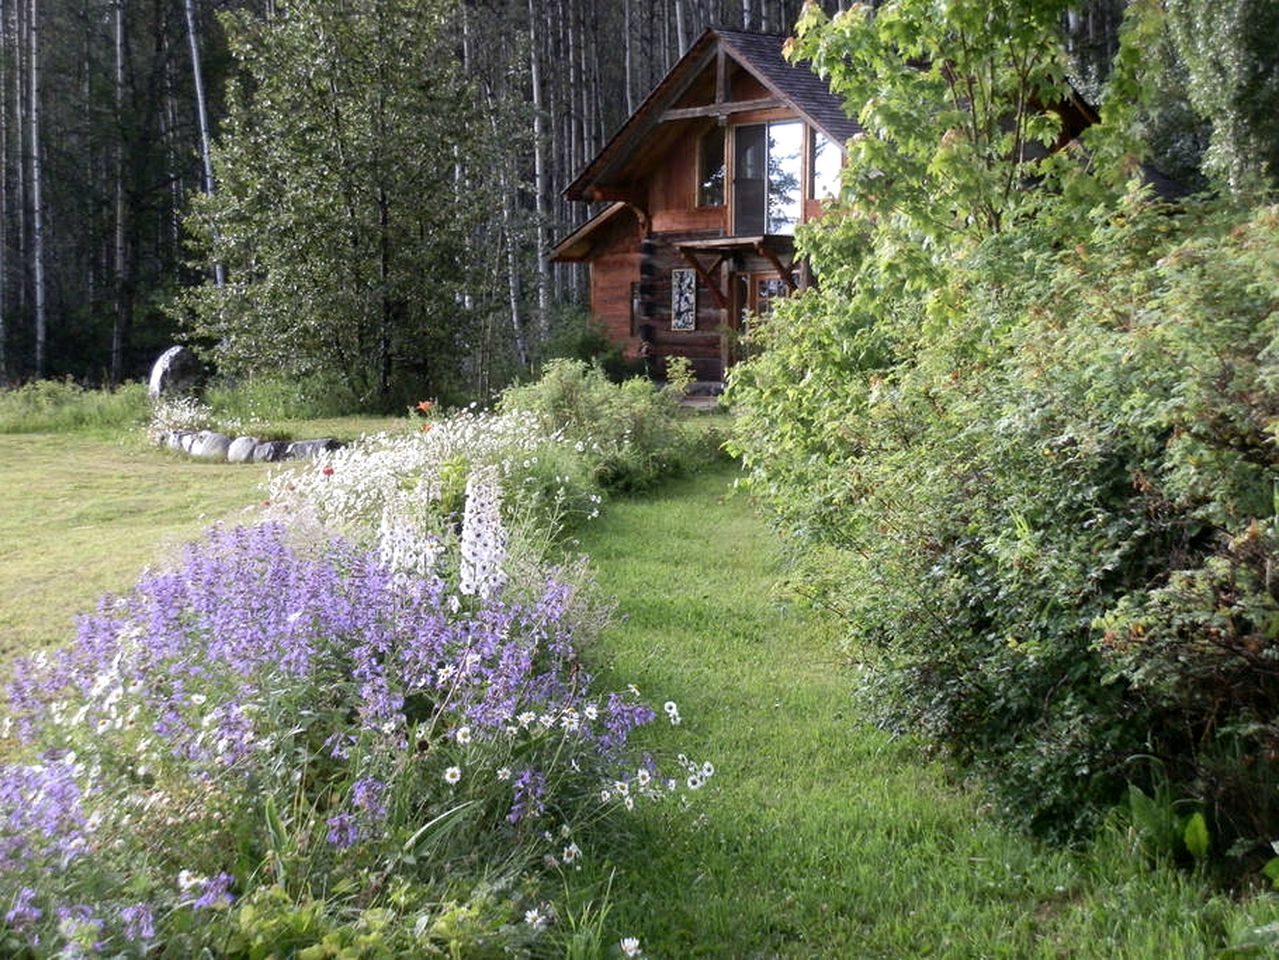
[(37, 206)]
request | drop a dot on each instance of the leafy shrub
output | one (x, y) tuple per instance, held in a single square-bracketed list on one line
[(1024, 439), (1049, 502), (265, 400), (574, 336), (62, 405), (631, 432)]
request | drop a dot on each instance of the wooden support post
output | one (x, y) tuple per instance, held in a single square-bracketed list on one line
[(771, 256), (708, 276)]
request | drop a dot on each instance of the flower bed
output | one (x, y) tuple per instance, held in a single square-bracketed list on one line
[(362, 727)]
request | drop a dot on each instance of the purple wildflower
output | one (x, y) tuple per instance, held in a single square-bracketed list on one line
[(343, 831), (215, 892), (24, 914), (530, 787), (42, 823), (139, 923), (369, 795), (80, 928)]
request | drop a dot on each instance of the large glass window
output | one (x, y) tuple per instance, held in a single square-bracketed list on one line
[(827, 161), (767, 164), (710, 169), (785, 162)]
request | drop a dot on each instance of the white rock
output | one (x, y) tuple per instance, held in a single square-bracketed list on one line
[(210, 446), (241, 449)]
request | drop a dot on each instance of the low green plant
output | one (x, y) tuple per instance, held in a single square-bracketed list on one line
[(630, 432), (679, 374), (55, 406)]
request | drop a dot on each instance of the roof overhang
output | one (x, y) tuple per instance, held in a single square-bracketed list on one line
[(576, 246)]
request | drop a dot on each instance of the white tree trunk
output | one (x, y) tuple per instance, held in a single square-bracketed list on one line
[(629, 64), (123, 307), (37, 214), (542, 186), (4, 193), (203, 114)]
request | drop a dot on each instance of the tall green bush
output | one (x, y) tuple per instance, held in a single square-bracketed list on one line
[(1030, 456), (1054, 514), (629, 432)]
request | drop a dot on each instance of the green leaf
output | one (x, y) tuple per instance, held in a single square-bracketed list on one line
[(1271, 871), (279, 840), (1196, 836)]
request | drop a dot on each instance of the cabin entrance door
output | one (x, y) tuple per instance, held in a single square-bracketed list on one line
[(753, 296)]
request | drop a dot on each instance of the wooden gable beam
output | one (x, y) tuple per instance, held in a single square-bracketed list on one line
[(722, 109), (628, 195)]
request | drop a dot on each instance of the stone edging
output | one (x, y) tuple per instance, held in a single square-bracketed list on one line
[(207, 445)]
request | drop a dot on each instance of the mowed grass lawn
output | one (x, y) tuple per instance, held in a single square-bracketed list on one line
[(819, 835), (82, 513), (81, 516)]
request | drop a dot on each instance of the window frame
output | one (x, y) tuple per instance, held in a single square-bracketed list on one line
[(804, 175)]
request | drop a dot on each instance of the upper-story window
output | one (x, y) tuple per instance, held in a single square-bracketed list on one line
[(768, 177), (710, 168), (827, 159)]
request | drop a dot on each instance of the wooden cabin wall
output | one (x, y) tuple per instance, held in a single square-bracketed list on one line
[(702, 345)]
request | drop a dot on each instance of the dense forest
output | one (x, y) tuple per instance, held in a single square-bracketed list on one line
[(414, 150), (114, 115)]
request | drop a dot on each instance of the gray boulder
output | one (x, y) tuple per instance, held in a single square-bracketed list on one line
[(241, 449), (210, 446), (173, 439), (270, 452), (177, 371), (306, 449)]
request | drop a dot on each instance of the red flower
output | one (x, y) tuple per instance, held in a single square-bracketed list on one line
[(327, 471)]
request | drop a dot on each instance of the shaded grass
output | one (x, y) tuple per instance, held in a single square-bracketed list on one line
[(819, 836)]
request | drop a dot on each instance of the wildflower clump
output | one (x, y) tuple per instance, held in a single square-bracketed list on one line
[(362, 724), (268, 711), (420, 479)]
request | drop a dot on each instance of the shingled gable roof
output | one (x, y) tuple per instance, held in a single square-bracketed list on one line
[(759, 54)]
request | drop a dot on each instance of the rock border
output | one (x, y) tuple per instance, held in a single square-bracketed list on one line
[(219, 448)]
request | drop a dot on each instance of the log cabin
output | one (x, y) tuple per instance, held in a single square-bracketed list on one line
[(704, 186)]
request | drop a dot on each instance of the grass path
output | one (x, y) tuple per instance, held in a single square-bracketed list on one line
[(818, 835)]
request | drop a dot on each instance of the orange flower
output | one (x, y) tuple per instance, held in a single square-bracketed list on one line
[(425, 406), (426, 427)]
